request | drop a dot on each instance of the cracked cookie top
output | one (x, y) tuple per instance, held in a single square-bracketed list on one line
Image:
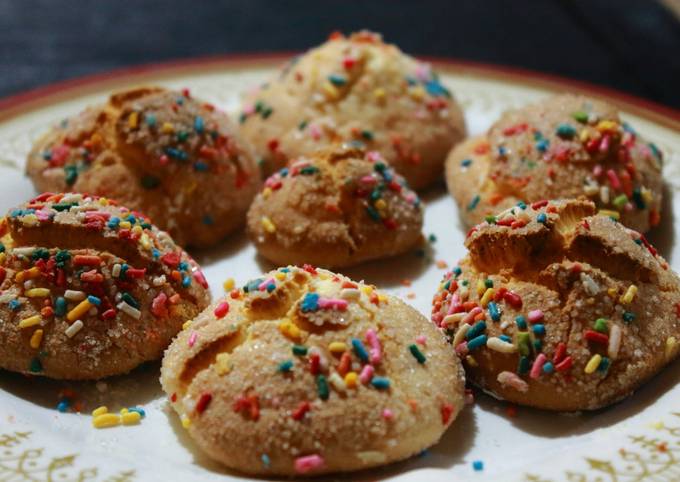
[(162, 152), (355, 89), (559, 307), (306, 371), (564, 146), (89, 289), (335, 208)]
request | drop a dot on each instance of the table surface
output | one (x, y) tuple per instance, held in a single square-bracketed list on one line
[(630, 45)]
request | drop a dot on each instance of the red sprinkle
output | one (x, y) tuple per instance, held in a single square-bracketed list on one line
[(514, 299), (221, 310), (301, 410), (564, 365), (447, 411), (203, 402), (596, 337)]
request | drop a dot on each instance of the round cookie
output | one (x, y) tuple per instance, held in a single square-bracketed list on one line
[(335, 208), (89, 289), (303, 372), (359, 89), (161, 152), (564, 146), (560, 308)]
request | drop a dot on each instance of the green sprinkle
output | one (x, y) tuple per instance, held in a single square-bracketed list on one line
[(60, 306), (491, 219), (565, 131), (523, 365), (302, 125), (337, 80), (299, 350), (628, 316), (473, 204), (620, 201), (127, 297), (71, 174), (601, 325), (417, 354), (285, 366), (523, 343), (322, 387), (488, 283), (368, 135), (35, 366), (521, 322), (580, 116)]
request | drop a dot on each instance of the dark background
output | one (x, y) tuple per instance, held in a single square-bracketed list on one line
[(631, 45)]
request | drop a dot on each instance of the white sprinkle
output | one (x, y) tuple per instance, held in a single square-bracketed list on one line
[(497, 344), (460, 334), (23, 251), (589, 285), (513, 381), (74, 328), (604, 194), (74, 295), (115, 271), (614, 342), (454, 318), (131, 311), (159, 280), (337, 382), (350, 294)]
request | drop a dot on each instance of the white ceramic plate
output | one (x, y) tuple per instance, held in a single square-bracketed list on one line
[(638, 439)]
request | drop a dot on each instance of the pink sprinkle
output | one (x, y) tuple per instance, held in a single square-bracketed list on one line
[(192, 338), (366, 374), (42, 215), (535, 316), (423, 72), (470, 317), (263, 286), (308, 463), (221, 310), (421, 340), (455, 302), (159, 305), (376, 349), (370, 180), (462, 349), (249, 109), (410, 197), (200, 278), (512, 380), (604, 143), (332, 304), (597, 170), (537, 366), (97, 214), (59, 154), (373, 156), (613, 179), (388, 414), (315, 132)]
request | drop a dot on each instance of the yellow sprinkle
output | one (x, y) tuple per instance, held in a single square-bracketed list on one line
[(145, 241), (609, 213), (2, 258), (612, 292), (103, 201), (481, 287), (671, 347), (30, 220), (266, 192), (186, 324), (630, 294), (280, 276), (36, 338), (382, 298), (607, 125), (379, 93), (137, 229), (222, 364), (133, 120), (330, 90), (27, 274), (471, 361), (488, 295), (186, 422), (100, 411), (123, 411), (647, 195), (37, 293), (337, 347), (167, 128), (367, 290), (30, 321), (131, 418), (289, 330), (657, 425), (351, 379), (125, 225), (417, 92), (229, 284), (584, 135), (593, 363), (77, 312), (268, 225), (106, 420), (380, 204)]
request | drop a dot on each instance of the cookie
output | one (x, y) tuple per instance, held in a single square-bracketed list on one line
[(89, 289), (304, 372), (564, 146), (358, 89), (335, 208), (164, 153), (560, 308)]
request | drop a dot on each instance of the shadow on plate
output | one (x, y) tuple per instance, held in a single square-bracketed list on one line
[(451, 450), (662, 237), (548, 424), (226, 249), (137, 388)]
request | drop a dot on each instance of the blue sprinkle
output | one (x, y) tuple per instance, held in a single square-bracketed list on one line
[(539, 329), (476, 330), (310, 302), (478, 465), (63, 405), (94, 300), (505, 338), (457, 271), (186, 281), (47, 155), (542, 145), (381, 383), (60, 306), (494, 312), (522, 205), (477, 342), (542, 218), (565, 131), (183, 266), (113, 222), (473, 203), (521, 322), (198, 124), (14, 305), (434, 88), (201, 166), (548, 367), (271, 287), (285, 366), (150, 120), (537, 345), (604, 364), (502, 151), (265, 460), (466, 162), (628, 316), (208, 220), (155, 253), (139, 410), (360, 349)]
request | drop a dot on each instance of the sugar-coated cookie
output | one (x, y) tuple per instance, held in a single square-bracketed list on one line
[(303, 372), (560, 308), (335, 208), (564, 146), (89, 289), (360, 89), (162, 152)]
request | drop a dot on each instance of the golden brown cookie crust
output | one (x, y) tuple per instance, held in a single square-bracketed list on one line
[(162, 152), (89, 289), (559, 308), (360, 89), (565, 146), (335, 208), (304, 372)]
